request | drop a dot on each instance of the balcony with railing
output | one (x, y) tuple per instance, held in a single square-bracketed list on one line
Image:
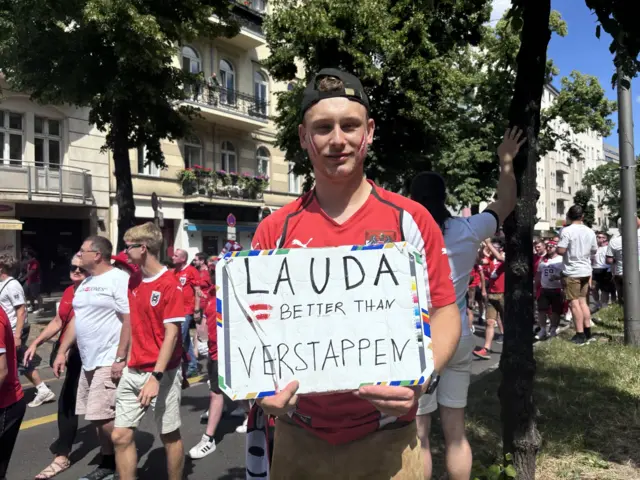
[(20, 180), (249, 15), (230, 107)]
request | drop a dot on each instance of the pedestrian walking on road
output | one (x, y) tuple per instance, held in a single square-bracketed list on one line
[(67, 418), (12, 300), (153, 376), (189, 278), (101, 328), (12, 406)]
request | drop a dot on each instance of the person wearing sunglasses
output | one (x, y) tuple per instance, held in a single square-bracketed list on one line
[(67, 418)]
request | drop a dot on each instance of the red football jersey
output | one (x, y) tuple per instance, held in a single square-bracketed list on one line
[(10, 391), (154, 302), (33, 265), (65, 310), (189, 278), (474, 278), (385, 217), (496, 277), (212, 327)]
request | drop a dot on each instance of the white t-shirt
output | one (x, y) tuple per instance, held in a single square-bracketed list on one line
[(96, 303), (599, 260), (615, 250), (11, 297), (462, 237), (550, 270), (580, 242)]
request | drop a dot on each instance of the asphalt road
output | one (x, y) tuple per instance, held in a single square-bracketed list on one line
[(39, 430)]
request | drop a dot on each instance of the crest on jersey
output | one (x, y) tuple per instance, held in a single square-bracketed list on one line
[(376, 237), (155, 298), (183, 280)]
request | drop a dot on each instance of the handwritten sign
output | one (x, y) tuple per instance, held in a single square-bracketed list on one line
[(332, 318)]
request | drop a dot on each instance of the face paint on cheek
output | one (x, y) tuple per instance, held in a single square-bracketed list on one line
[(363, 145), (313, 145)]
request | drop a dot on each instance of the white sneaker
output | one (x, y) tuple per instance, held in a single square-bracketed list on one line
[(203, 448), (242, 428), (238, 412), (43, 396)]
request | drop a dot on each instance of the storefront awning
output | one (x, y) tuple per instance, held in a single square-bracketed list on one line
[(10, 224)]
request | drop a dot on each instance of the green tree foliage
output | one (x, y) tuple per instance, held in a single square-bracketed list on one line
[(606, 180), (619, 19), (114, 57), (437, 83), (405, 53), (583, 198)]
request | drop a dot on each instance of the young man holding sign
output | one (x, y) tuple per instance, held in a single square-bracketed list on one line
[(339, 435)]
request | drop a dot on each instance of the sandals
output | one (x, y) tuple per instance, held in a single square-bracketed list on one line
[(53, 469)]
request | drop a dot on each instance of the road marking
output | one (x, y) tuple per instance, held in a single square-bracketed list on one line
[(36, 422), (39, 421), (48, 380)]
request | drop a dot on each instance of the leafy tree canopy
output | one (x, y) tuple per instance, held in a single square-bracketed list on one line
[(439, 85), (606, 179), (583, 198)]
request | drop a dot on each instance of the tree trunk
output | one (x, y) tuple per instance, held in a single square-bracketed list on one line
[(520, 436), (122, 172)]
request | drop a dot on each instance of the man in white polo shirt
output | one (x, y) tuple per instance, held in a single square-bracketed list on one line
[(101, 328)]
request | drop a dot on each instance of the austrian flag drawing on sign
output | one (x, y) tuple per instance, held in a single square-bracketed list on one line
[(332, 318)]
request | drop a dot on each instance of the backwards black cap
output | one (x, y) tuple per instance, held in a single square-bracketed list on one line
[(352, 89)]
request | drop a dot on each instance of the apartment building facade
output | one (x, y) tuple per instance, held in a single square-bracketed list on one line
[(227, 170), (54, 182), (559, 176)]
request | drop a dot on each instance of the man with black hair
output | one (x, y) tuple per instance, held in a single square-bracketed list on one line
[(577, 245), (462, 238)]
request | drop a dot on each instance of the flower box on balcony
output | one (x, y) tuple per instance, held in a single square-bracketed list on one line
[(203, 181)]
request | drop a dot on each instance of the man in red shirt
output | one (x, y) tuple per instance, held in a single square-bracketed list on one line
[(369, 433), (189, 278), (12, 405), (34, 282), (200, 264), (495, 301), (153, 376)]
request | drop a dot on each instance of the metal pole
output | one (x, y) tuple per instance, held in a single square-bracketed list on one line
[(628, 167)]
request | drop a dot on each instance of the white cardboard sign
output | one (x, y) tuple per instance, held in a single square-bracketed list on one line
[(332, 318)]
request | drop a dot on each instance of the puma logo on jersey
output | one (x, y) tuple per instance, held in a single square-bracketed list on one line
[(298, 243)]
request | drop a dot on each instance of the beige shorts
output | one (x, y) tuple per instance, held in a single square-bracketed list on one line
[(575, 287), (166, 406), (96, 398), (385, 454), (454, 381)]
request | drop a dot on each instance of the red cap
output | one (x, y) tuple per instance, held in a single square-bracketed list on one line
[(122, 259)]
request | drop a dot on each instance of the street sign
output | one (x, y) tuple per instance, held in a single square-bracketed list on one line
[(231, 233), (231, 220)]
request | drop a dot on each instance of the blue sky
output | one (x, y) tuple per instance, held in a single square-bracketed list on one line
[(581, 50)]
